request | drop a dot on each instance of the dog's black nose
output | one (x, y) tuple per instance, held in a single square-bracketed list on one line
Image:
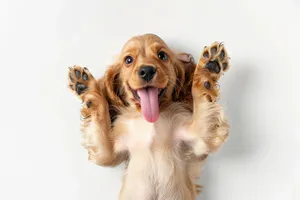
[(147, 72)]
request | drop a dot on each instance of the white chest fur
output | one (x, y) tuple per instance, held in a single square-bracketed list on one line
[(140, 134), (155, 165), (136, 134)]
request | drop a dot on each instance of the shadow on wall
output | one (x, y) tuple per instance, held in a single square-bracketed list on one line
[(242, 140)]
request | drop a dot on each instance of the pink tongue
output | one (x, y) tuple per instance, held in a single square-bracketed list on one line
[(149, 103)]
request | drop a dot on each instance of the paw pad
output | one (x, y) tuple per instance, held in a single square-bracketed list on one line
[(78, 79), (77, 74), (213, 66), (215, 58), (224, 65), (80, 88), (213, 51), (85, 76), (222, 54)]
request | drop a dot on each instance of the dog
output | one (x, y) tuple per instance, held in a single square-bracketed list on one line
[(156, 111)]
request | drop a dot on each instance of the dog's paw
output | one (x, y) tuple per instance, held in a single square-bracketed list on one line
[(213, 62), (215, 59), (80, 80)]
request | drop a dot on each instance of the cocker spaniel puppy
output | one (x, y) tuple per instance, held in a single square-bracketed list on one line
[(158, 112)]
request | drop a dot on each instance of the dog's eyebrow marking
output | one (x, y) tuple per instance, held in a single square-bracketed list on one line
[(132, 51), (158, 46)]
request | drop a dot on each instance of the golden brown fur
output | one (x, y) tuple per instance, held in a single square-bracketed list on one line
[(164, 157)]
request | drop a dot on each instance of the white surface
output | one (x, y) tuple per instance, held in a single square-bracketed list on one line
[(41, 156)]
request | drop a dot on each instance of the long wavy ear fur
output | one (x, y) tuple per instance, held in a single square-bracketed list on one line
[(184, 80), (180, 78), (113, 86)]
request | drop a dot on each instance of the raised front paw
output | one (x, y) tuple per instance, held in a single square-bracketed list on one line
[(213, 62), (211, 124), (215, 59), (80, 80)]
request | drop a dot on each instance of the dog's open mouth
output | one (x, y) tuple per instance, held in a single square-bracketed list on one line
[(161, 93), (149, 98)]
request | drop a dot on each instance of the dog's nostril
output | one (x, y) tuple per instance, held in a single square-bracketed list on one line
[(147, 72), (142, 73)]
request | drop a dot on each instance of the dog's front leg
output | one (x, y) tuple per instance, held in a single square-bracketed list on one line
[(98, 136), (209, 128)]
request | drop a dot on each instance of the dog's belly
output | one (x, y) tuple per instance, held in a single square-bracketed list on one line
[(150, 176), (156, 169)]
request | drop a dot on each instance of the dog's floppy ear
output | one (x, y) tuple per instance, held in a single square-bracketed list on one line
[(184, 67), (180, 78), (113, 85)]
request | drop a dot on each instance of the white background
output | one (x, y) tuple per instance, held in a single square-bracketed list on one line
[(40, 152)]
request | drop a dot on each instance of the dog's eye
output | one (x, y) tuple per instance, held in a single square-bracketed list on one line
[(162, 55), (128, 60)]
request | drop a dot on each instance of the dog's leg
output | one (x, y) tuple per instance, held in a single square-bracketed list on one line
[(209, 127), (96, 125)]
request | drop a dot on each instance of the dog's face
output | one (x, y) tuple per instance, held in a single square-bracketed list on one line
[(146, 75)]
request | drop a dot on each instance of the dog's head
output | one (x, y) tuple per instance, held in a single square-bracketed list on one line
[(146, 75)]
